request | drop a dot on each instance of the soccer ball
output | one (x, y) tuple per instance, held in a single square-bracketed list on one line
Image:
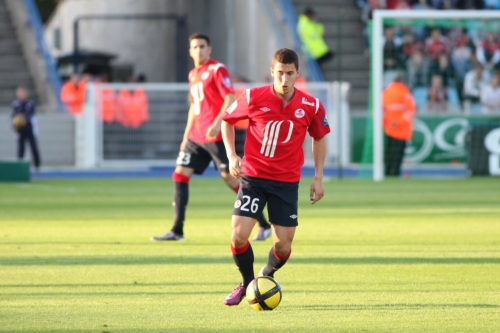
[(19, 121), (263, 293)]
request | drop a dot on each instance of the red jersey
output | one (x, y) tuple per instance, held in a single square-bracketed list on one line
[(490, 46), (275, 135), (435, 47), (208, 86)]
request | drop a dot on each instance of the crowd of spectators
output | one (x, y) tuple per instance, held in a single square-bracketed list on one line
[(448, 68)]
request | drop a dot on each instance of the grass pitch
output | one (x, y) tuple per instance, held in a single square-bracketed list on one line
[(400, 256)]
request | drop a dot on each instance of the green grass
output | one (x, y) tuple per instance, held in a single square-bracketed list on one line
[(399, 256)]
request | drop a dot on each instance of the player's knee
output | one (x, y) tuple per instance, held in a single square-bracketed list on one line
[(186, 171), (282, 249), (237, 241)]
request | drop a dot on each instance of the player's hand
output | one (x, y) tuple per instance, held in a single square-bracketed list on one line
[(213, 131), (316, 192), (235, 166)]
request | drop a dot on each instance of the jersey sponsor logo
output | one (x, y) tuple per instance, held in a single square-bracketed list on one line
[(237, 204), (264, 109), (227, 82), (299, 113), (271, 134), (325, 121), (293, 216), (232, 107), (306, 102), (205, 75)]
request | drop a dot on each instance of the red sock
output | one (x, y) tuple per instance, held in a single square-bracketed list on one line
[(240, 250), (243, 258), (282, 258), (179, 178)]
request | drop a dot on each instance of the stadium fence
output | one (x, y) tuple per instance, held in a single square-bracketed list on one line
[(106, 138)]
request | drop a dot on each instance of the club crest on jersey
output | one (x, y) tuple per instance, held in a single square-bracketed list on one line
[(299, 113), (264, 109), (306, 102), (227, 82), (237, 204), (325, 121), (205, 75)]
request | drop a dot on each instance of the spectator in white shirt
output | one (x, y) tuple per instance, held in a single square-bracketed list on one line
[(490, 96), (474, 81)]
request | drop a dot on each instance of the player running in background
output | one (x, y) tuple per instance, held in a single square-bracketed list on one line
[(211, 93), (279, 115)]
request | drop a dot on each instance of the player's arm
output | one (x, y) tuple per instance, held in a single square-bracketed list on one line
[(234, 160), (214, 129), (319, 152), (189, 124)]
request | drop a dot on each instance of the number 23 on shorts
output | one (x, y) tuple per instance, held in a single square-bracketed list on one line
[(183, 158)]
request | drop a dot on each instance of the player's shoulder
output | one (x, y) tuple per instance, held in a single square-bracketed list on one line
[(215, 66), (15, 103), (307, 101), (255, 94)]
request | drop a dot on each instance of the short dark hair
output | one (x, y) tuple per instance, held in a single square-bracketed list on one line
[(286, 56), (199, 36)]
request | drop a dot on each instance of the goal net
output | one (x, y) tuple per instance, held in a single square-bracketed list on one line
[(450, 61)]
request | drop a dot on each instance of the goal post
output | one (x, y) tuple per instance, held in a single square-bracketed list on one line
[(380, 17)]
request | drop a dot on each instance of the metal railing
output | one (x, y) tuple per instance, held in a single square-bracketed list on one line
[(291, 20), (36, 23)]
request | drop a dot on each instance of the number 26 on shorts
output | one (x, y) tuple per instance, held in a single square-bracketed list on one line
[(250, 204)]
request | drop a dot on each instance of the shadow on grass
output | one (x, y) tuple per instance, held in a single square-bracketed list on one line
[(111, 329), (107, 285), (84, 294), (200, 260), (369, 307)]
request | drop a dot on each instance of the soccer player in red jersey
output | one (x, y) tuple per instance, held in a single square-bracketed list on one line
[(279, 116), (211, 93)]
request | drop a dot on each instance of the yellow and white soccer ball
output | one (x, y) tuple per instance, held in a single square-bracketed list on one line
[(263, 293)]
